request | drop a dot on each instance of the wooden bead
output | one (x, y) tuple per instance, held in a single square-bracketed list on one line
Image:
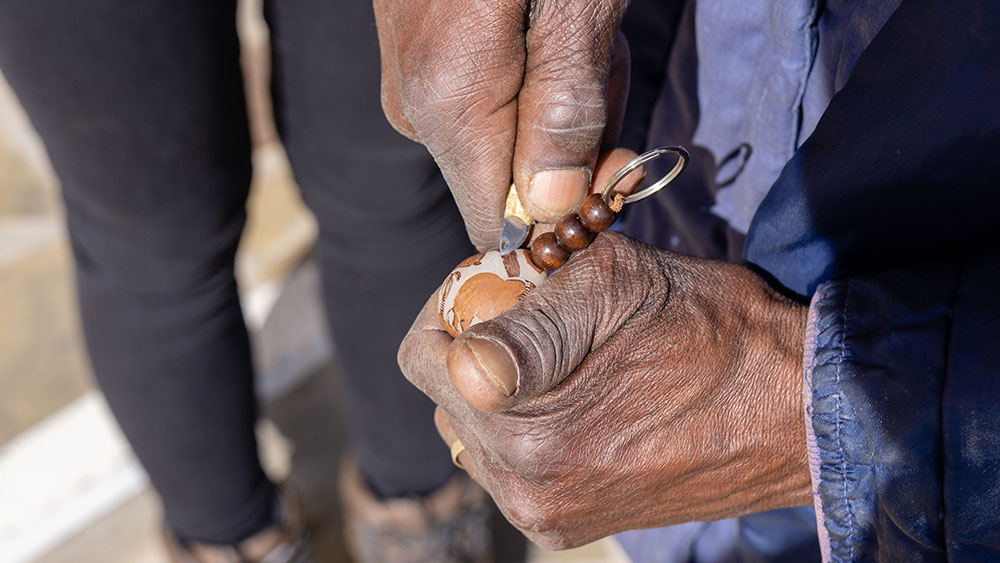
[(546, 253), (571, 234), (485, 285), (595, 214)]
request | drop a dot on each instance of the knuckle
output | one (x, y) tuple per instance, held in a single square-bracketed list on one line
[(396, 117), (533, 515), (553, 542), (532, 455), (404, 356), (456, 87), (571, 114), (437, 83), (449, 108)]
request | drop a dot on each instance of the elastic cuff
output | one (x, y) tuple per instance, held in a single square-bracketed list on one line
[(812, 445)]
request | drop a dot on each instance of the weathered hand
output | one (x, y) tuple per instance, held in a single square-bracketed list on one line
[(634, 388), (506, 89)]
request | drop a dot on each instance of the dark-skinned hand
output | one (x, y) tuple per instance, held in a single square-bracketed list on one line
[(502, 90), (635, 388)]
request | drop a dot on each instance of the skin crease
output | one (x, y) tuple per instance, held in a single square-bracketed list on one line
[(648, 388), (651, 389)]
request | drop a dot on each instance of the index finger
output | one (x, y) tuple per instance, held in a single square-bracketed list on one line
[(423, 360)]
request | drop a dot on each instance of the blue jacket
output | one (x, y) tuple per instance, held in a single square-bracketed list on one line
[(886, 220)]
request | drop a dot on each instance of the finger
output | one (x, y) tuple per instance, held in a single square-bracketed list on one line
[(446, 428), (611, 162), (422, 359), (462, 65), (531, 348), (563, 107), (392, 104)]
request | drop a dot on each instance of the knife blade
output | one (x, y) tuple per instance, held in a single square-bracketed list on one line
[(516, 223), (514, 233)]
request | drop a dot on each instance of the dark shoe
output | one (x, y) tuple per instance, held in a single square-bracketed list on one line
[(451, 525), (284, 542)]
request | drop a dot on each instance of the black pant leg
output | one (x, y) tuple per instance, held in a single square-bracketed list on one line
[(141, 107), (390, 231)]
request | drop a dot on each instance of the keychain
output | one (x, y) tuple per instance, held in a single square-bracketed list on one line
[(487, 284)]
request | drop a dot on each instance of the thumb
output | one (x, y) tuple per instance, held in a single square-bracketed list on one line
[(562, 108), (535, 345)]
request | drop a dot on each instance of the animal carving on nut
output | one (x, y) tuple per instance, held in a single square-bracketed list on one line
[(484, 286)]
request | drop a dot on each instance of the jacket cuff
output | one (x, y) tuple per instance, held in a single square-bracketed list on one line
[(840, 486), (874, 372), (811, 444)]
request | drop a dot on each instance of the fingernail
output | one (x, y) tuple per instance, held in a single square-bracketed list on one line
[(496, 363), (559, 191)]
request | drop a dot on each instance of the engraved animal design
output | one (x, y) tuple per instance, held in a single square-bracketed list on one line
[(484, 296), (472, 260), (445, 292)]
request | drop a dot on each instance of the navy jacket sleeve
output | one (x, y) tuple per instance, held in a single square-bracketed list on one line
[(905, 409), (888, 218)]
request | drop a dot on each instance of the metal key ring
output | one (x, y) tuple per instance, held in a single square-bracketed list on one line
[(682, 162)]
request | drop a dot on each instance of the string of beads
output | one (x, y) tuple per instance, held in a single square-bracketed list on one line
[(575, 231)]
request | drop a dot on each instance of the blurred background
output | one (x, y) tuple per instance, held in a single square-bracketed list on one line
[(70, 489)]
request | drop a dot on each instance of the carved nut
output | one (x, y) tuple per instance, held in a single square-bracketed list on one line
[(485, 285)]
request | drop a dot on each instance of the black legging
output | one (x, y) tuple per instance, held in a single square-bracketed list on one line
[(141, 107)]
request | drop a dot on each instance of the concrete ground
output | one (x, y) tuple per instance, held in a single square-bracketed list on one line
[(70, 489)]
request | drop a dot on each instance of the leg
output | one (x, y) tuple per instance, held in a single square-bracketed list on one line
[(390, 231), (141, 107)]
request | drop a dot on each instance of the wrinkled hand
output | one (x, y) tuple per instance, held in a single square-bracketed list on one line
[(634, 388), (506, 89)]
